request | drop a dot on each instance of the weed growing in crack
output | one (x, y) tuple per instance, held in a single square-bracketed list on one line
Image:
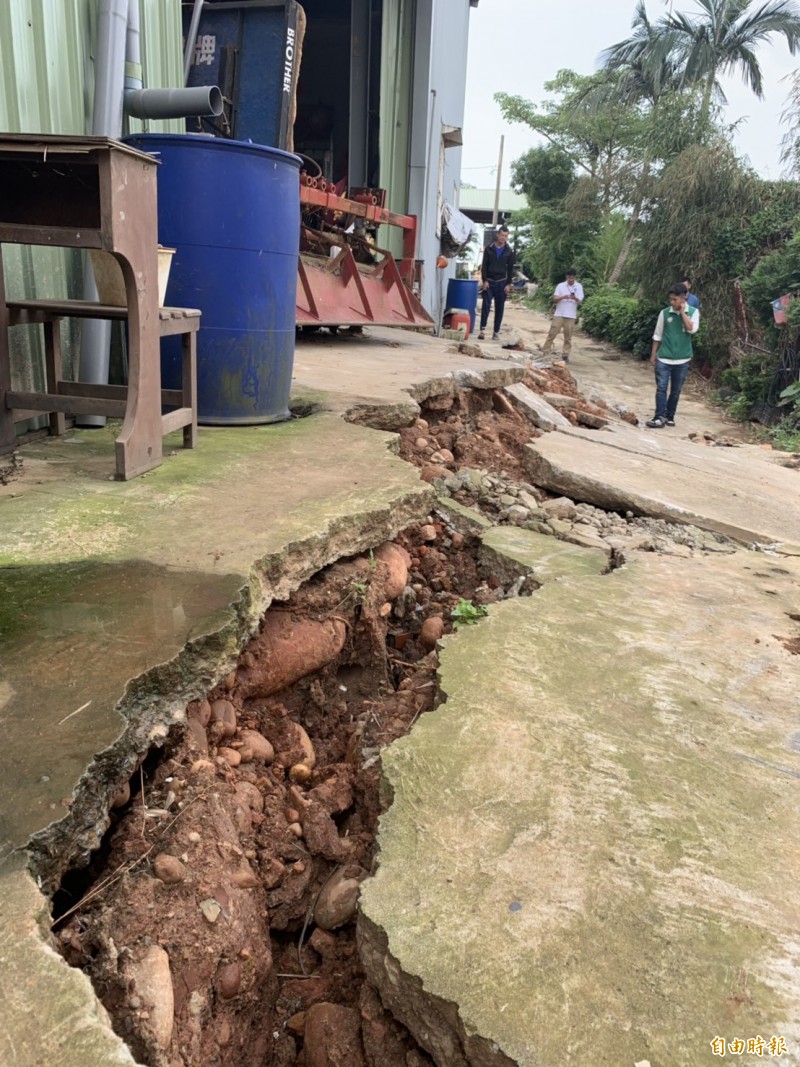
[(465, 613)]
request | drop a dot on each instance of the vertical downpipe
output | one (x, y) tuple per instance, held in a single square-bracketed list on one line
[(109, 76)]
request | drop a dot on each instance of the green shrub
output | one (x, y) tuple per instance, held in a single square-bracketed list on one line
[(626, 322)]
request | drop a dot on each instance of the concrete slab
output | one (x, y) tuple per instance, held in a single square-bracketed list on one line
[(590, 855), (525, 551), (741, 492), (119, 602), (50, 1014), (381, 376), (536, 408)]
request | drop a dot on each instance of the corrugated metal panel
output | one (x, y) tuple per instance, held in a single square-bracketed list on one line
[(46, 86), (162, 58)]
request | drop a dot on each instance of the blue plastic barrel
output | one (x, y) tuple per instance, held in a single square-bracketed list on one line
[(231, 210), (463, 293)]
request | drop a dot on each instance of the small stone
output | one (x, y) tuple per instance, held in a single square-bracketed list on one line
[(122, 796), (337, 902), (245, 878), (421, 443), (197, 735), (300, 773), (261, 749), (231, 756), (210, 909), (517, 515), (297, 1022), (194, 837), (223, 711), (152, 981), (457, 540), (295, 828), (432, 630), (447, 455), (421, 425), (168, 869), (250, 795), (202, 766), (199, 710), (428, 532), (229, 980)]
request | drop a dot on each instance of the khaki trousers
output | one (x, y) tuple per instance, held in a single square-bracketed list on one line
[(560, 322)]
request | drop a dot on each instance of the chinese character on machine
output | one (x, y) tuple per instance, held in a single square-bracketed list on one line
[(205, 49)]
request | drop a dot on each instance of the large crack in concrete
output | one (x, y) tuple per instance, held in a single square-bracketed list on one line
[(155, 701)]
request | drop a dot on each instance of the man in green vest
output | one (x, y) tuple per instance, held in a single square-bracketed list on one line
[(672, 353)]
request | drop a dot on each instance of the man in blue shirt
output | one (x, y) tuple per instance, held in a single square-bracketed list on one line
[(691, 299), (497, 271)]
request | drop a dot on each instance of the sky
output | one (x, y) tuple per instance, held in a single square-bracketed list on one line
[(517, 45)]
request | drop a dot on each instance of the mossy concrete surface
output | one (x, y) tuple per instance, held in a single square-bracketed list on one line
[(51, 1015), (542, 556), (120, 601), (590, 856)]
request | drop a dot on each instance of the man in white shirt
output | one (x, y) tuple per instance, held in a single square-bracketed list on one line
[(567, 297)]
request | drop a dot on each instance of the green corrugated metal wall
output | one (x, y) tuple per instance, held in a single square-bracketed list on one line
[(46, 86)]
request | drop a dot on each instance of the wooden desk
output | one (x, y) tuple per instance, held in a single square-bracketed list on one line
[(89, 192), (112, 400)]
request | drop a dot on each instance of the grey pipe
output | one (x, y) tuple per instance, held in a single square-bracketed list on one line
[(173, 103), (109, 73), (191, 38), (133, 48)]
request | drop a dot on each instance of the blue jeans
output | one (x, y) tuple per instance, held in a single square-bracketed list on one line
[(669, 376), (496, 292)]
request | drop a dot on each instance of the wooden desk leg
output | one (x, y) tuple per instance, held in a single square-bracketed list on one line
[(8, 437), (189, 345), (138, 447), (53, 370)]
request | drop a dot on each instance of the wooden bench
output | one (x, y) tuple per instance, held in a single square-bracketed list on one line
[(80, 398)]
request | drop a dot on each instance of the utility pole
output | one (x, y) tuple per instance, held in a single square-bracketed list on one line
[(497, 187)]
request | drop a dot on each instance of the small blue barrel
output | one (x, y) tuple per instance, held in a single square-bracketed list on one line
[(231, 210), (463, 293)]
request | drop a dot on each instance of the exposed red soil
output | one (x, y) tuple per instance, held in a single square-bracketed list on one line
[(217, 921), (223, 856)]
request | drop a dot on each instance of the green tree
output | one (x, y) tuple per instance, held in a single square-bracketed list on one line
[(721, 39), (647, 77), (599, 141), (543, 174)]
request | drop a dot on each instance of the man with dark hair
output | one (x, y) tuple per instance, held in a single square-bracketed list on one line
[(567, 296), (671, 354), (691, 299), (497, 271)]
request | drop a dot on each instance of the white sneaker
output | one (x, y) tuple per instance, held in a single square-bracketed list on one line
[(495, 336)]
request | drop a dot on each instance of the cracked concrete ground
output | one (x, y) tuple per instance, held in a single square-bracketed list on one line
[(119, 602), (621, 734)]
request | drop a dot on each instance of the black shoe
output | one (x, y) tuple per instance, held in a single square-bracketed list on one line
[(481, 336), (669, 421), (656, 423)]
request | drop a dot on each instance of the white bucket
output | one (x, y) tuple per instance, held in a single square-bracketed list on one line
[(110, 284)]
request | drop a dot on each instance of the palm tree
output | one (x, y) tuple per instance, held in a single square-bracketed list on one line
[(646, 61), (645, 69), (724, 37)]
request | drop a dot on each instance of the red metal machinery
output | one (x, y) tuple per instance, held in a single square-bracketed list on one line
[(344, 279)]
